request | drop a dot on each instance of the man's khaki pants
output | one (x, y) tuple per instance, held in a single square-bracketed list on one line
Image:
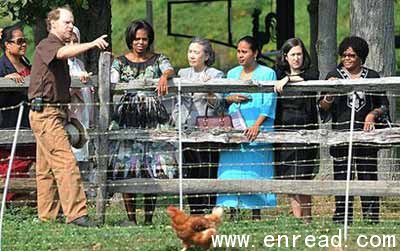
[(57, 173)]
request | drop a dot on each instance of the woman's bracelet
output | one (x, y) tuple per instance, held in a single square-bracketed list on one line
[(329, 99)]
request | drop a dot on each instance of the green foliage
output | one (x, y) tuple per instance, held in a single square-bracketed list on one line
[(203, 19), (209, 20), (29, 10)]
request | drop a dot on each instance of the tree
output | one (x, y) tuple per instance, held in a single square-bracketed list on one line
[(326, 44), (380, 35), (93, 17), (312, 9), (93, 22), (326, 49), (374, 21)]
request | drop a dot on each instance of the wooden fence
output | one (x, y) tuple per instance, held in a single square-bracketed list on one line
[(101, 137)]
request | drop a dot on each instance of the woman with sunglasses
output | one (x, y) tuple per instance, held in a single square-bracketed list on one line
[(14, 65), (369, 108)]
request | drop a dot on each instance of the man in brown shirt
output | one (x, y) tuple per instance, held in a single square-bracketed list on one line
[(57, 174)]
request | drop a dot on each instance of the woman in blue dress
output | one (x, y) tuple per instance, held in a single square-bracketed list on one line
[(251, 160)]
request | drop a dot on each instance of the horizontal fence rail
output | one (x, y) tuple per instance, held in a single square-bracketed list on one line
[(102, 137), (29, 184), (388, 136), (7, 85), (220, 85), (207, 186), (305, 187), (321, 136), (223, 85)]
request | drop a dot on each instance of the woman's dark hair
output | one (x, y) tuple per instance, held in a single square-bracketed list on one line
[(282, 63), (134, 26), (207, 48), (7, 34), (358, 44), (253, 44)]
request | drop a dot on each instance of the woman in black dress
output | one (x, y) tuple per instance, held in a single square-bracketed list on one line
[(296, 110), (369, 109)]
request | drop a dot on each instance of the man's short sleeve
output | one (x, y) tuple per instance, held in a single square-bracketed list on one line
[(49, 50)]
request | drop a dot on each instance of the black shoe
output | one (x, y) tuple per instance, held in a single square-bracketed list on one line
[(83, 221)]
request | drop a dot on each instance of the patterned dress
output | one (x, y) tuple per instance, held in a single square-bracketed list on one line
[(132, 158), (250, 160)]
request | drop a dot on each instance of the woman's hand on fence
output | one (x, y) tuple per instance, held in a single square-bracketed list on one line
[(278, 87), (162, 87), (113, 125), (85, 77), (211, 99), (16, 77), (369, 124), (252, 132), (237, 98), (326, 102)]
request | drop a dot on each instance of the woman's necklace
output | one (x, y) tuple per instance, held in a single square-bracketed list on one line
[(352, 75)]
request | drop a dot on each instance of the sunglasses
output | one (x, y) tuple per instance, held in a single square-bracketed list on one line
[(19, 41), (350, 55)]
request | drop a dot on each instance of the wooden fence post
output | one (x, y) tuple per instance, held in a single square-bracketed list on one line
[(326, 49), (102, 138)]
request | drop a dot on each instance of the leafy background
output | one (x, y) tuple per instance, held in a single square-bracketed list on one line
[(203, 19)]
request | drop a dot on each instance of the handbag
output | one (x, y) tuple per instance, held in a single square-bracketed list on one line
[(140, 111), (206, 122)]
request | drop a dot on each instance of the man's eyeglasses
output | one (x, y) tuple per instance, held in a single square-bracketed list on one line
[(19, 41), (349, 55)]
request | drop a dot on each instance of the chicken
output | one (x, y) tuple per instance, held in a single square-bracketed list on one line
[(195, 230)]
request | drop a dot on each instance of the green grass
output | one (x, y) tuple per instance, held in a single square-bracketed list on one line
[(22, 230)]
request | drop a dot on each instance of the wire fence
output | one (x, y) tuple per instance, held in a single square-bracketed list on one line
[(131, 160)]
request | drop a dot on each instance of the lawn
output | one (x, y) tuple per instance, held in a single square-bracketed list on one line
[(22, 230)]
